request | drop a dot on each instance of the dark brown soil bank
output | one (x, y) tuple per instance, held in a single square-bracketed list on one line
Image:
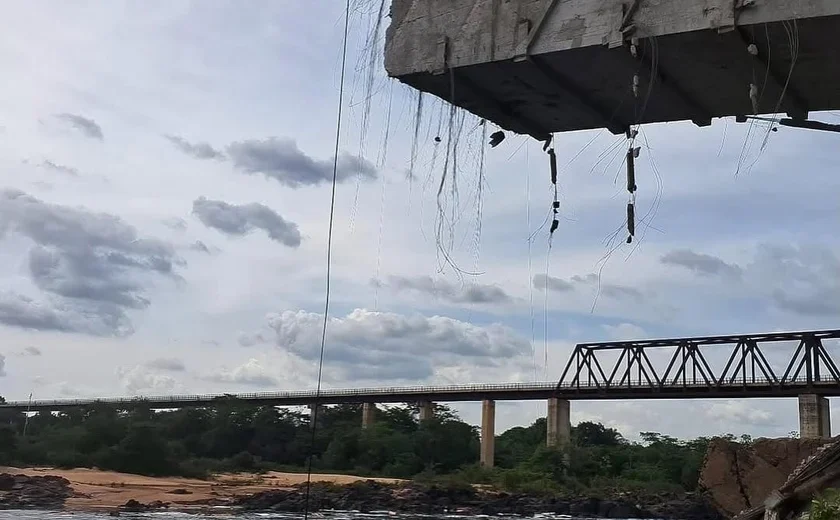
[(23, 492), (737, 477), (430, 499)]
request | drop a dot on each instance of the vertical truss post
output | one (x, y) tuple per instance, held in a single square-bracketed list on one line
[(743, 363), (809, 366)]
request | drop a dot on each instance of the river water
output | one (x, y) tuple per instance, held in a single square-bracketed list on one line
[(47, 515)]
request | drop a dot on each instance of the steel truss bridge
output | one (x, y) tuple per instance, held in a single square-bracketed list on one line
[(808, 368), (610, 370)]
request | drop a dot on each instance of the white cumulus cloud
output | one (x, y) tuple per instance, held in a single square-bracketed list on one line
[(250, 373), (140, 380), (395, 346)]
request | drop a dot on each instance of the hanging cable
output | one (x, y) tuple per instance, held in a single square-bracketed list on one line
[(329, 261), (548, 147), (641, 99), (382, 200), (479, 206), (555, 204), (545, 306), (371, 48), (418, 119), (630, 162), (632, 151), (530, 263)]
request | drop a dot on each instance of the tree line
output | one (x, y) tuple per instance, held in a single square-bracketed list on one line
[(235, 436)]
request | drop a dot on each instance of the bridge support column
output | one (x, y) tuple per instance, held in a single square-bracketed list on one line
[(427, 411), (313, 412), (488, 433), (814, 417), (368, 415), (558, 424)]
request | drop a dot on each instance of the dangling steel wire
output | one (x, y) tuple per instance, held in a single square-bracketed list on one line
[(329, 261)]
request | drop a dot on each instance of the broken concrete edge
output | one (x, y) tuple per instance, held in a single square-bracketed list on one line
[(430, 43), (738, 477), (482, 31), (812, 477)]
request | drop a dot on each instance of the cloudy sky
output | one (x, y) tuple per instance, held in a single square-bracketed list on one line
[(164, 196)]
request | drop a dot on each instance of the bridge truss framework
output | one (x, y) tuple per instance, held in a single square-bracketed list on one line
[(747, 373)]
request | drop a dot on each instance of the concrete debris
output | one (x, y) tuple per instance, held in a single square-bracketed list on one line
[(738, 477), (811, 477), (541, 66), (496, 138)]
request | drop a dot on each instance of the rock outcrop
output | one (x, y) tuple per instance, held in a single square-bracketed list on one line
[(40, 492), (737, 477), (431, 499), (133, 506)]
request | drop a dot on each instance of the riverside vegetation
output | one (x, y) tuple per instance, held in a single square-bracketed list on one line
[(236, 436), (826, 506)]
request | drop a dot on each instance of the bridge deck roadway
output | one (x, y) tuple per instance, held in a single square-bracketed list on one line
[(542, 66), (444, 394)]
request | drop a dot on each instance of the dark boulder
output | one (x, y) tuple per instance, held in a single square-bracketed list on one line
[(420, 498), (38, 492), (133, 506), (618, 509)]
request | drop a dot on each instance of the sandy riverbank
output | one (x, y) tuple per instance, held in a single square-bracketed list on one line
[(98, 490), (106, 491)]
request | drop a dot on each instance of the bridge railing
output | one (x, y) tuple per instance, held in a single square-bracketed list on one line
[(304, 394), (405, 392)]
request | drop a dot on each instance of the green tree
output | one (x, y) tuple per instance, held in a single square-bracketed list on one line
[(8, 445), (103, 429), (342, 453), (446, 445), (143, 450), (400, 419), (516, 445), (549, 461), (595, 434), (826, 506)]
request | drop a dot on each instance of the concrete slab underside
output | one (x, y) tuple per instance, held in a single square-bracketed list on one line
[(533, 70)]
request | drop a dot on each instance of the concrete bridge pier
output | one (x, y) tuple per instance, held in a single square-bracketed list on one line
[(814, 417), (368, 415), (558, 423), (313, 413), (488, 433), (427, 411)]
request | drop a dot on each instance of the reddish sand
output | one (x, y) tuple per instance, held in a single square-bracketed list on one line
[(98, 490)]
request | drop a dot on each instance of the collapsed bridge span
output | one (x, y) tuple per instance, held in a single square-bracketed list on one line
[(542, 66)]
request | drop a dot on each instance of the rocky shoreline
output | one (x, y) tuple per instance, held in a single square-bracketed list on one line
[(370, 496), (51, 492), (40, 492)]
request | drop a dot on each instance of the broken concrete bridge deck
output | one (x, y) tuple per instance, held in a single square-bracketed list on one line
[(542, 66)]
